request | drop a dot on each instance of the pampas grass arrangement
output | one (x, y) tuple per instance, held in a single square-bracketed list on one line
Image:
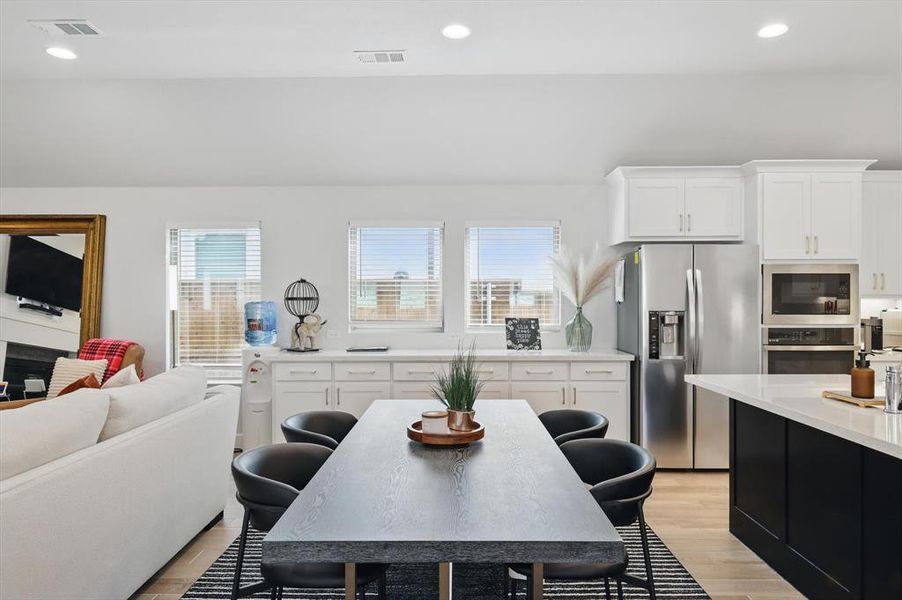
[(581, 277)]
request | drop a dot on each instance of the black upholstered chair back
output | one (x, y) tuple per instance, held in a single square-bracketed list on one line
[(566, 425), (616, 470), (324, 427), (268, 478)]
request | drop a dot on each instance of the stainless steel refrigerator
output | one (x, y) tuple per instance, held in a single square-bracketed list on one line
[(687, 308)]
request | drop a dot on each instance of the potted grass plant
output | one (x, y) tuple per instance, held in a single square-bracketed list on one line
[(457, 388)]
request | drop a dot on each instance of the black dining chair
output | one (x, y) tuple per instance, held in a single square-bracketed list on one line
[(324, 427), (268, 480), (567, 424), (621, 475)]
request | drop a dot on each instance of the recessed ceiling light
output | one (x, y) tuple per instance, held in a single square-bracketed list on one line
[(63, 53), (773, 30), (456, 31)]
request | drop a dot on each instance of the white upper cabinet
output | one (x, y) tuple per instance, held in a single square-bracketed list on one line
[(675, 204), (881, 241), (656, 207), (713, 207), (809, 210)]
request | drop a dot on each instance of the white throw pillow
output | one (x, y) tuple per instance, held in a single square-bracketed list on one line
[(38, 433), (122, 378), (134, 405), (67, 370)]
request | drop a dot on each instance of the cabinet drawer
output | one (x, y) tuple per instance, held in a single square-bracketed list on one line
[(369, 371), (417, 371), (303, 371), (492, 371), (495, 390), (539, 371), (594, 371)]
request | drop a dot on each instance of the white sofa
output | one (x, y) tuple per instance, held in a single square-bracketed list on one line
[(97, 523)]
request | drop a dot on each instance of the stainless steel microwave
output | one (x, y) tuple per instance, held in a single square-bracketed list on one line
[(815, 294)]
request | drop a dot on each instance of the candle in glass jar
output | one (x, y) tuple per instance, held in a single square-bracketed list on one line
[(435, 421)]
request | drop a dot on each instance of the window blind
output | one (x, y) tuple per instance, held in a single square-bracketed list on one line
[(395, 276), (213, 272), (509, 274)]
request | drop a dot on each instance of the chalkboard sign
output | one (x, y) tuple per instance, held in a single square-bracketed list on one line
[(522, 334)]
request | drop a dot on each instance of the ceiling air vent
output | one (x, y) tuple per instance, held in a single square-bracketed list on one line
[(379, 56), (66, 27)]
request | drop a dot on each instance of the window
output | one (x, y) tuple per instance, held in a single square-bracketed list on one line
[(509, 274), (395, 276), (212, 273)]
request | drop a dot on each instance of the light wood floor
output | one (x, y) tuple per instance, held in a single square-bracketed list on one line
[(687, 510)]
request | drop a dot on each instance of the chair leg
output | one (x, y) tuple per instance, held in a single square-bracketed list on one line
[(382, 586), (619, 590), (648, 573), (236, 582), (512, 587), (607, 589), (361, 592), (274, 593), (529, 587), (279, 595)]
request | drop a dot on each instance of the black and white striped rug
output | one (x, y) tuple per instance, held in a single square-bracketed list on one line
[(471, 581)]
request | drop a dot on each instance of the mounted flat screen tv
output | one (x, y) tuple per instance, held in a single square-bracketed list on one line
[(40, 272)]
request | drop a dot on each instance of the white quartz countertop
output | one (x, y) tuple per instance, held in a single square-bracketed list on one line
[(894, 356), (798, 397), (277, 355)]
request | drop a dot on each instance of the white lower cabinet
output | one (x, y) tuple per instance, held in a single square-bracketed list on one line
[(352, 387), (290, 398), (542, 396), (356, 397), (606, 399)]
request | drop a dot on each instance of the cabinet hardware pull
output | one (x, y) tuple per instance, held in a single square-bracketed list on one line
[(680, 216), (359, 372), (689, 222), (574, 395), (420, 372), (591, 371), (327, 396), (303, 371), (815, 244), (807, 245), (874, 287), (531, 372), (338, 396), (883, 281), (489, 371), (563, 396)]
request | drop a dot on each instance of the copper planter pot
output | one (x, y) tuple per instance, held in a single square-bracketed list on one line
[(459, 420)]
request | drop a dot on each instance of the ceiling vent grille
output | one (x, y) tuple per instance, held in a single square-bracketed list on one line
[(381, 57), (60, 27)]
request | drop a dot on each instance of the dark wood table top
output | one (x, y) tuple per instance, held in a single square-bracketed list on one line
[(511, 497)]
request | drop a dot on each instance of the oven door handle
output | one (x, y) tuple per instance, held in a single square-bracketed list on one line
[(772, 347)]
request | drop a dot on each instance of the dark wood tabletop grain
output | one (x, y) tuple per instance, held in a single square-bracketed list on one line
[(511, 497)]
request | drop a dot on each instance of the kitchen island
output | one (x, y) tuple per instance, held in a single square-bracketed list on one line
[(815, 484)]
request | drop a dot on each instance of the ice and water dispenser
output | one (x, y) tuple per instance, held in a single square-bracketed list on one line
[(665, 334)]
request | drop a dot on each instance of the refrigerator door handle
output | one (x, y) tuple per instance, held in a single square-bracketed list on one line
[(691, 341), (699, 321)]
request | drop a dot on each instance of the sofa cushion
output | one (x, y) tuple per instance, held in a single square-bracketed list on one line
[(134, 405), (88, 381), (122, 378), (67, 370), (44, 431)]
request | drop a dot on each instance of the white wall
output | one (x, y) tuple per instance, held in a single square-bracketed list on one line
[(305, 235)]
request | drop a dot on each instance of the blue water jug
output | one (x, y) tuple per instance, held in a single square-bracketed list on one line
[(260, 323)]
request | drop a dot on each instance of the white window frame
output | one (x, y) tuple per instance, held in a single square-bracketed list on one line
[(171, 279), (396, 326), (466, 272)]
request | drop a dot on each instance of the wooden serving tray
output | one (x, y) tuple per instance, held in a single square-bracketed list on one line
[(452, 438), (876, 402)]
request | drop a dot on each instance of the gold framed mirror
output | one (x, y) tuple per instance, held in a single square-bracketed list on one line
[(93, 227)]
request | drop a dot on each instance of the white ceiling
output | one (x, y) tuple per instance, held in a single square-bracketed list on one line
[(269, 93), (213, 39)]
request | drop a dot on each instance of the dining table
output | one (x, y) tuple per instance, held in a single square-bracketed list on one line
[(511, 497)]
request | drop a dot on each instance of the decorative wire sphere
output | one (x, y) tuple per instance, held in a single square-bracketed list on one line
[(301, 298)]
